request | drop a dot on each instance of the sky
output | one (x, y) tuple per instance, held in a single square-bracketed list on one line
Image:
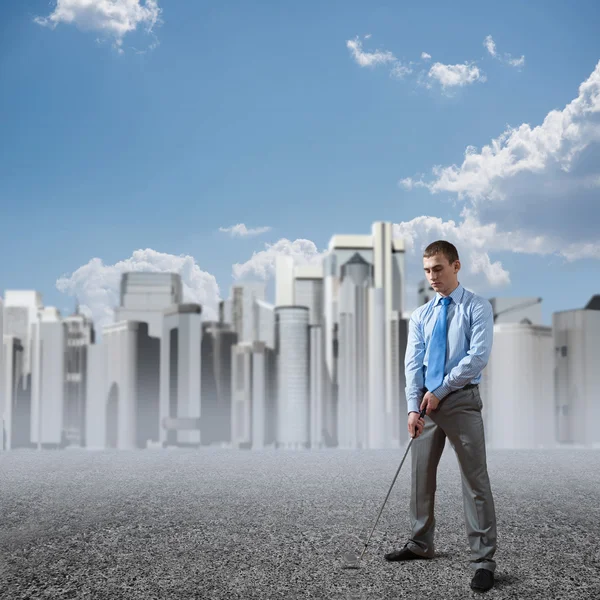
[(206, 138)]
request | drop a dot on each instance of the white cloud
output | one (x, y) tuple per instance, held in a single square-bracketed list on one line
[(517, 62), (470, 237), (368, 59), (540, 183), (400, 71), (425, 56), (262, 264), (490, 45), (97, 286), (240, 230), (450, 76), (111, 18)]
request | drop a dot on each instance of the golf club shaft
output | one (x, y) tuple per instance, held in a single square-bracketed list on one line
[(421, 416)]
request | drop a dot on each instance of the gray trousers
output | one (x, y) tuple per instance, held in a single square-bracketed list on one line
[(457, 418)]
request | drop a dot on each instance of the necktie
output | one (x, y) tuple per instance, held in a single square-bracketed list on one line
[(437, 350)]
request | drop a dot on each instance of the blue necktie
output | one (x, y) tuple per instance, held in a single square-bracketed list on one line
[(437, 351)]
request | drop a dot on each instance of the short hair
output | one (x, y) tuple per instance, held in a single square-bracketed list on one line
[(442, 247)]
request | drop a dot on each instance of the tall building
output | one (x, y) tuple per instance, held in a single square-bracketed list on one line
[(308, 291), (576, 359), (12, 368), (354, 418), (146, 295), (244, 311), (292, 339), (80, 334), (284, 280), (263, 396), (48, 382), (180, 369), (21, 309), (265, 317), (241, 395), (218, 339), (386, 301)]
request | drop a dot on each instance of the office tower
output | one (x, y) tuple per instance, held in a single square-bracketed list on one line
[(226, 311), (48, 382), (576, 359), (425, 293), (112, 389), (387, 257), (180, 369), (241, 395), (263, 396), (377, 415), (265, 317), (517, 310), (218, 338), (293, 376), (284, 280), (308, 292), (244, 311), (146, 295), (12, 368), (318, 434), (20, 311), (80, 335), (517, 388), (354, 418)]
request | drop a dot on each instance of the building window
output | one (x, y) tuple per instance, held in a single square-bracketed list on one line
[(563, 351)]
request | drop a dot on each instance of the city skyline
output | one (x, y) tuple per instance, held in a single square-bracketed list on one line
[(322, 366)]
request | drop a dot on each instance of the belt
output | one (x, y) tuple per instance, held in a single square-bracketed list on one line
[(469, 386)]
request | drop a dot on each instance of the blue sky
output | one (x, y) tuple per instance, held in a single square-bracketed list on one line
[(115, 139)]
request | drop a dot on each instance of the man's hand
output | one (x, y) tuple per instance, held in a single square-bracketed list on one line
[(415, 424), (430, 402)]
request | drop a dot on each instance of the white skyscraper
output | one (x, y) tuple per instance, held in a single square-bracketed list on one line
[(284, 280), (292, 335), (48, 381), (385, 305), (354, 418), (245, 310)]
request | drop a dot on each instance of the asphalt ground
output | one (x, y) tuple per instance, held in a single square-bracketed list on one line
[(213, 523)]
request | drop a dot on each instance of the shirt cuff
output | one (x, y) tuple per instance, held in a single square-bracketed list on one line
[(441, 392), (413, 406)]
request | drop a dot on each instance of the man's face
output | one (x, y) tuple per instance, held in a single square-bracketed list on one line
[(442, 275)]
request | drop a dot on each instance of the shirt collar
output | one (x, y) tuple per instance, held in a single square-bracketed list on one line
[(456, 295)]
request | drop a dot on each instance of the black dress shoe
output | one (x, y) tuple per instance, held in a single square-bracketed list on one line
[(403, 554), (483, 580)]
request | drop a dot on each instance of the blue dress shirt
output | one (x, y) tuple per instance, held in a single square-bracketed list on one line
[(470, 337)]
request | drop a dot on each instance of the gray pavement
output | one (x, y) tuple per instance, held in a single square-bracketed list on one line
[(215, 524)]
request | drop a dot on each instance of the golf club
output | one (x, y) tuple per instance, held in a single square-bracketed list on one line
[(351, 561)]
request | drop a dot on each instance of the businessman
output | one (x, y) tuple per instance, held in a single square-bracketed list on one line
[(449, 343)]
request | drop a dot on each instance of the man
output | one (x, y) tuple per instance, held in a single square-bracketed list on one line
[(449, 343)]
